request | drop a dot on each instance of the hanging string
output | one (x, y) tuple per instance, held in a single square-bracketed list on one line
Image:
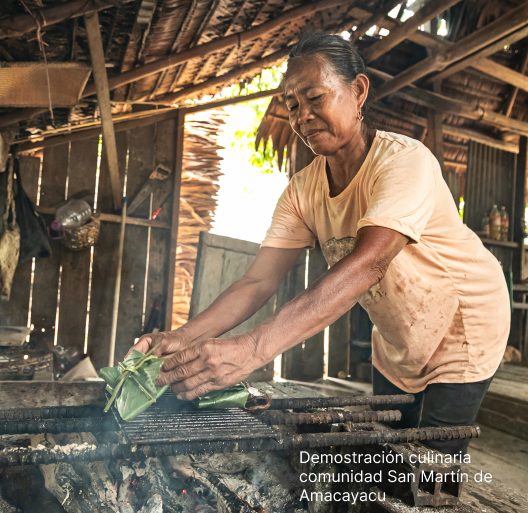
[(43, 50)]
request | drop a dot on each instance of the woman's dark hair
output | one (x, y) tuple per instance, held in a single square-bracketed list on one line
[(339, 53)]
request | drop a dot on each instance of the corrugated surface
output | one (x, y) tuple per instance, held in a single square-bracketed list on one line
[(171, 420), (490, 181)]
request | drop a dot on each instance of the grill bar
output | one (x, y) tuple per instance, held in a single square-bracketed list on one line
[(67, 425), (309, 403), (31, 456), (275, 418), (51, 412)]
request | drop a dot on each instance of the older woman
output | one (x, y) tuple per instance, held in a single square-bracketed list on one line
[(390, 230)]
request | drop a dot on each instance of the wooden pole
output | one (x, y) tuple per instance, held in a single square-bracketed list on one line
[(171, 98), (402, 32), (519, 208), (117, 289), (481, 55), (154, 117), (456, 131), (178, 168), (95, 42), (522, 70), (431, 100), (506, 24), (362, 29), (16, 26), (508, 75)]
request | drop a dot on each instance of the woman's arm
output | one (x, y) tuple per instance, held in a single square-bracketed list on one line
[(236, 304), (217, 363)]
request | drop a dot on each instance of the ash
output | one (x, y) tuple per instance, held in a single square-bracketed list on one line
[(264, 480)]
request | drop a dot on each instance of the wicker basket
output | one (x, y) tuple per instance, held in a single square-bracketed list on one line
[(84, 237)]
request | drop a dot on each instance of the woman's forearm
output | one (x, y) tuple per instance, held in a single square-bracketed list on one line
[(330, 296), (236, 304)]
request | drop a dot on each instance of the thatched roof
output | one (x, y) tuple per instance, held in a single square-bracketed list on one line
[(199, 185)]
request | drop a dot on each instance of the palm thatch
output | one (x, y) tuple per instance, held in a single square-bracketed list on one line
[(200, 174)]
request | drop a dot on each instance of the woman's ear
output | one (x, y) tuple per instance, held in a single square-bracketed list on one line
[(362, 87)]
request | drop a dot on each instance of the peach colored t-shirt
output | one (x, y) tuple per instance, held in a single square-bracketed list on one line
[(441, 313)]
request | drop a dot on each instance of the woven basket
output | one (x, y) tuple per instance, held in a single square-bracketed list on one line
[(84, 237)]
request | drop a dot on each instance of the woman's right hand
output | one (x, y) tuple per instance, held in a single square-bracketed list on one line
[(168, 342)]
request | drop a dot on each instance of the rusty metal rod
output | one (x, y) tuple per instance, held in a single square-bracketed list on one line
[(276, 418), (51, 412), (67, 425), (72, 453), (307, 403)]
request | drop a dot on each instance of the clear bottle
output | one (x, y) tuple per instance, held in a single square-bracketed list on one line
[(73, 214), (484, 224), (505, 224), (495, 223)]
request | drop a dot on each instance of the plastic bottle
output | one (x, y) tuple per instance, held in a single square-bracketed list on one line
[(485, 224), (505, 224), (495, 223), (73, 214)]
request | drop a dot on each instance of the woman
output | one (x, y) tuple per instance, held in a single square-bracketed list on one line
[(390, 231)]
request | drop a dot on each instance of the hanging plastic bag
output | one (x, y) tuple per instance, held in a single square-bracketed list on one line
[(131, 384)]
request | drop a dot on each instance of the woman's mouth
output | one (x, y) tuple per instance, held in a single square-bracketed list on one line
[(312, 134)]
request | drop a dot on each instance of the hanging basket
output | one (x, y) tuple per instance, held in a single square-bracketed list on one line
[(84, 237)]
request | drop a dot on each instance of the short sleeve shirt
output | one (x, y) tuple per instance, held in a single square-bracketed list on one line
[(441, 312)]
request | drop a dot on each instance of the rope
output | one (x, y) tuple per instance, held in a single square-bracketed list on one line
[(43, 50)]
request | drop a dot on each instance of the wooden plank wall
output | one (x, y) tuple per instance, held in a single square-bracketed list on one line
[(68, 170)]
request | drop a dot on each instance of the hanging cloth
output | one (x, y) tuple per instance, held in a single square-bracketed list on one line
[(9, 241)]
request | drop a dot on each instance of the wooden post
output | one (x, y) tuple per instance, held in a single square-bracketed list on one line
[(103, 97), (519, 209), (178, 168)]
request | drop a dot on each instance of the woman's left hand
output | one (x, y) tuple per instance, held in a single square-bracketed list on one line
[(213, 364)]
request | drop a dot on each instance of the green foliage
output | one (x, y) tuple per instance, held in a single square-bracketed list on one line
[(244, 138)]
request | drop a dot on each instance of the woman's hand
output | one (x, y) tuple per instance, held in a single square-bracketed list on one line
[(212, 364), (169, 343)]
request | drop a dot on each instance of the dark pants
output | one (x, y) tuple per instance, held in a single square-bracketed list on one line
[(439, 405)]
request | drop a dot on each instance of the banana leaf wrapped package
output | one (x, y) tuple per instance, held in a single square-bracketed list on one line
[(131, 384), (232, 397)]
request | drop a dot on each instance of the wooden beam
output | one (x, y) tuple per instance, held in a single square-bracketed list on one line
[(519, 208), (506, 24), (91, 22), (363, 28), (431, 100), (452, 130), (170, 99), (155, 117), (114, 218), (20, 24), (496, 70), (402, 32), (173, 60), (222, 43), (522, 70), (481, 55), (178, 168)]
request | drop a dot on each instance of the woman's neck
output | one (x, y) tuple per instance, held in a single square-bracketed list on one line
[(343, 166)]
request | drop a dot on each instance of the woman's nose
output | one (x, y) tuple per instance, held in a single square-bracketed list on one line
[(305, 113)]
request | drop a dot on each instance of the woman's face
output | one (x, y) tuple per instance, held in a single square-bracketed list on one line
[(323, 109)]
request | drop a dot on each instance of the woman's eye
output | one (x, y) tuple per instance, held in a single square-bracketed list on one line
[(292, 107), (313, 98)]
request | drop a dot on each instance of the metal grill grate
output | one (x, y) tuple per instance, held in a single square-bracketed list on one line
[(171, 420)]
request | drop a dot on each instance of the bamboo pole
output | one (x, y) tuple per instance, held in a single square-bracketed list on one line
[(515, 19), (117, 290), (513, 97), (402, 32)]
